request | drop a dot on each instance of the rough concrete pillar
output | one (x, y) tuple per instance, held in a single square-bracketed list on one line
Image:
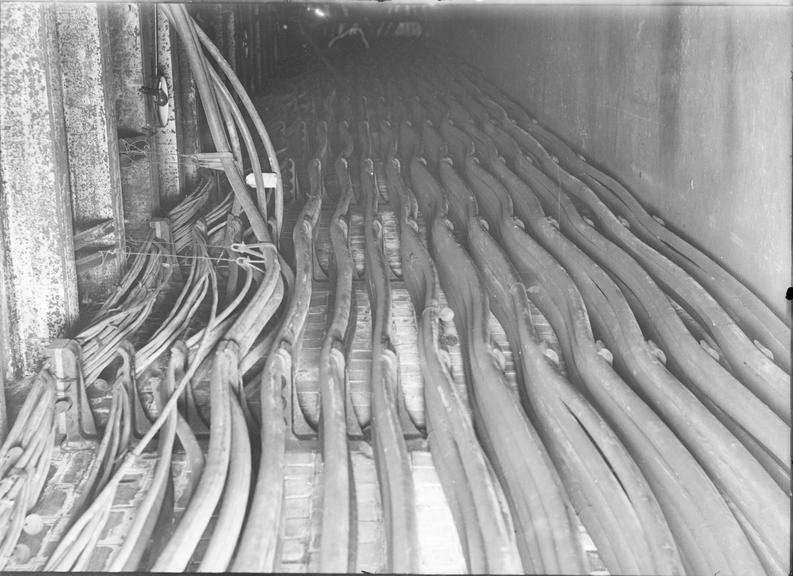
[(243, 42), (230, 35), (186, 112), (172, 185), (131, 42), (39, 285), (258, 49), (92, 149), (248, 31), (271, 41)]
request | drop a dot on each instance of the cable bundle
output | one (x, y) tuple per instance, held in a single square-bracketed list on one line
[(25, 461), (463, 468), (536, 175), (673, 456), (183, 215), (123, 314)]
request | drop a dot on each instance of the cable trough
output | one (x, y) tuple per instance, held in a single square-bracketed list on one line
[(436, 295)]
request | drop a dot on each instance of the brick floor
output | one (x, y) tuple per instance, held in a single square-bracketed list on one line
[(439, 546), (302, 481), (440, 551)]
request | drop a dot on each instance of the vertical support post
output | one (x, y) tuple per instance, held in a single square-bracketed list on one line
[(37, 266), (272, 41), (131, 46), (73, 416), (162, 231), (275, 30), (185, 113), (250, 30), (91, 143), (172, 186), (244, 65), (217, 27), (257, 49), (230, 35)]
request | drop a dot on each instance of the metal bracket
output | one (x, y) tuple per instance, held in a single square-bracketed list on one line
[(162, 231), (254, 254), (301, 428), (288, 399), (189, 409), (318, 271), (211, 160), (126, 375), (391, 371), (354, 430), (73, 415), (193, 416), (161, 98), (290, 180)]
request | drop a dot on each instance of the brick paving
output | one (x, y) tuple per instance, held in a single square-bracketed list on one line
[(440, 551)]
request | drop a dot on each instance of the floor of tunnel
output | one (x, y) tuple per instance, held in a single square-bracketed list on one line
[(439, 548)]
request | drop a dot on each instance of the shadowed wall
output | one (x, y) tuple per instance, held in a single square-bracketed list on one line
[(688, 106)]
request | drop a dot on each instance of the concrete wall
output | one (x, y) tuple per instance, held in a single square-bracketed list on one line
[(689, 106), (38, 296), (66, 76)]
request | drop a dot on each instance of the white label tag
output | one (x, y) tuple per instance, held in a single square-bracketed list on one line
[(270, 180)]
